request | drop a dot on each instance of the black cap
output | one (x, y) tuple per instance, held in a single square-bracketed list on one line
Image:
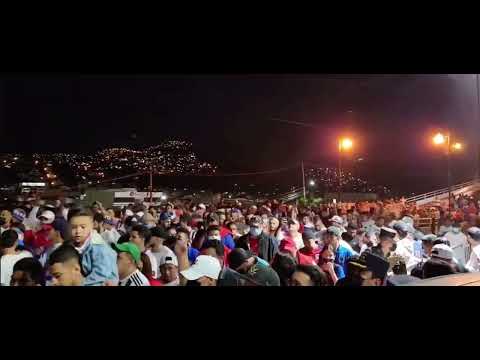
[(377, 265), (387, 232), (237, 257)]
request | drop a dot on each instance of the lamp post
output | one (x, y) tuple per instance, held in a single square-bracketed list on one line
[(344, 144), (440, 139)]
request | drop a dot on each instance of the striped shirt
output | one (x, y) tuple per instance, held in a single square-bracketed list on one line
[(135, 279)]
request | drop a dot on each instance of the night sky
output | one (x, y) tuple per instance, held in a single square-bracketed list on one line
[(228, 118)]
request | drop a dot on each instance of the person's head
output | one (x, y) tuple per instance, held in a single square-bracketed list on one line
[(81, 225), (293, 226), (456, 227), (183, 235), (165, 220), (333, 236), (128, 258), (222, 217), (380, 221), (169, 269), (274, 223), (186, 221), (140, 235), (18, 216), (427, 243), (256, 226), (352, 230), (310, 240), (169, 208), (437, 267), (442, 252), (213, 248), (473, 236), (148, 220), (8, 239), (213, 219), (59, 231), (401, 228), (241, 260), (157, 237), (318, 223), (336, 221), (64, 265), (5, 219), (46, 217), (376, 271), (327, 254), (233, 229), (284, 265), (98, 219), (172, 230), (386, 239), (308, 275), (27, 272), (213, 233), (204, 272)]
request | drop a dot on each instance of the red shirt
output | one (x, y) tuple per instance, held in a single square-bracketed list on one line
[(154, 282), (308, 257), (254, 245)]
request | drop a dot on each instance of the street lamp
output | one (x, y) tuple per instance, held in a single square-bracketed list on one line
[(312, 183), (344, 144), (441, 139)]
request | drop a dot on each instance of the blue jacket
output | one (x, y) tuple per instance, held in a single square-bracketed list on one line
[(99, 262), (342, 256), (228, 241)]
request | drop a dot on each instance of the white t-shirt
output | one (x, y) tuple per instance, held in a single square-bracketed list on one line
[(6, 265), (135, 279), (474, 261), (153, 263), (111, 236), (160, 256), (459, 245)]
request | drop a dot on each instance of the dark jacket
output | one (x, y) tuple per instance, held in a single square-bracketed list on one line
[(267, 246)]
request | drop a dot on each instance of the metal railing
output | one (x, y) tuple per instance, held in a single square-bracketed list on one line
[(438, 192)]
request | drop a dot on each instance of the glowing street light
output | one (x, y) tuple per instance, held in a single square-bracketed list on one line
[(440, 139), (344, 144), (457, 146), (312, 183)]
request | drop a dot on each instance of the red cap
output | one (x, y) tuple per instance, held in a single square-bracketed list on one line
[(288, 245)]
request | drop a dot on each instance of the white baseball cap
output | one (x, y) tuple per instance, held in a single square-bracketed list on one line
[(337, 219), (47, 217), (204, 266), (128, 212), (169, 260), (442, 252), (202, 206)]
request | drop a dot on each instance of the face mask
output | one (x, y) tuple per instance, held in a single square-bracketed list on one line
[(255, 231), (149, 226), (214, 238), (455, 230)]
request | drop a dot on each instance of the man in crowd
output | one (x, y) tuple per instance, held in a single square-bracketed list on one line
[(27, 272), (458, 242), (257, 269), (473, 263), (405, 244), (310, 253), (157, 247), (342, 254), (127, 261), (65, 268), (98, 258), (9, 255), (140, 236), (169, 271), (5, 220), (110, 233), (204, 272), (225, 234), (259, 243)]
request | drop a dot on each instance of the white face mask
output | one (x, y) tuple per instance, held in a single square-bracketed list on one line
[(218, 238), (254, 231), (455, 230)]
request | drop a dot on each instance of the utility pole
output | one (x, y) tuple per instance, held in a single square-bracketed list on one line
[(303, 179), (151, 184)]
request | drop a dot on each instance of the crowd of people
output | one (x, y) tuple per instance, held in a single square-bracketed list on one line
[(60, 243)]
